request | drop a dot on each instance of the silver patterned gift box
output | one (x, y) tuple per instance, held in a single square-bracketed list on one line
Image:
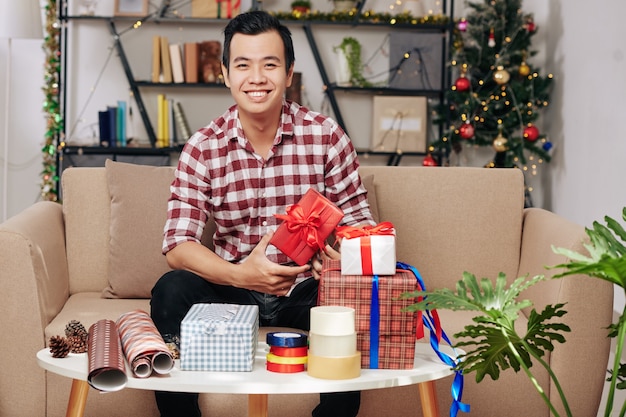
[(219, 337)]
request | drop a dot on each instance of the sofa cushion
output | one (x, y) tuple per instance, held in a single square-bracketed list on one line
[(139, 197)]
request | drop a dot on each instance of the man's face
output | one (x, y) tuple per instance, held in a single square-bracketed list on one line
[(257, 76)]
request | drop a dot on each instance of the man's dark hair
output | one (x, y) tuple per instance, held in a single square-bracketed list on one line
[(254, 23)]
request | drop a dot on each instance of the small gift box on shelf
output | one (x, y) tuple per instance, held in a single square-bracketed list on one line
[(305, 226), (386, 334), (368, 250), (219, 337)]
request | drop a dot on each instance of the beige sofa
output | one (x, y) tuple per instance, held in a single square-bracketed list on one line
[(58, 261)]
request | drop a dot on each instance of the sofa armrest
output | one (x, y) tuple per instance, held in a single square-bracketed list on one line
[(589, 306), (34, 262), (34, 287)]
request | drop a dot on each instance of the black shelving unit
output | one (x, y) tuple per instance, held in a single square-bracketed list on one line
[(308, 26)]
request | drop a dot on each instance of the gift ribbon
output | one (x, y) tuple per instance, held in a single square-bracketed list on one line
[(351, 232), (286, 339), (286, 360), (284, 369), (305, 225), (431, 321), (374, 324), (289, 352)]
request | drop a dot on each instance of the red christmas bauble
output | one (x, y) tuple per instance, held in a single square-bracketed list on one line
[(429, 161), (531, 133), (530, 26), (462, 84), (466, 131)]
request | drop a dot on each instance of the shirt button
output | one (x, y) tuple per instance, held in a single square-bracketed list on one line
[(264, 223)]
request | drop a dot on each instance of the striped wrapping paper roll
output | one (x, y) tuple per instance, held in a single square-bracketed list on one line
[(143, 346), (107, 370)]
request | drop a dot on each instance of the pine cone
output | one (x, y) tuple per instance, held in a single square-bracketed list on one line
[(75, 328), (59, 346), (78, 344)]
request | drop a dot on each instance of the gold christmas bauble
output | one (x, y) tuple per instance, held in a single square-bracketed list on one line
[(501, 76), (500, 143), (524, 69)]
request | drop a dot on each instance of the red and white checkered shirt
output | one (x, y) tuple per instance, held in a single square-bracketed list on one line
[(219, 175)]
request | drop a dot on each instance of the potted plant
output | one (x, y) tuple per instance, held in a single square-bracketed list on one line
[(492, 339), (350, 56), (301, 6)]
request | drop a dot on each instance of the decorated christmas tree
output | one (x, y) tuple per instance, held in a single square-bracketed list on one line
[(497, 94)]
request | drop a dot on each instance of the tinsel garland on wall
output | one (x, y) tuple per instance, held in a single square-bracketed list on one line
[(51, 107)]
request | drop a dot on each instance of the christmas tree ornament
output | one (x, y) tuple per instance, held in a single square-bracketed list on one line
[(462, 25), (501, 76), (547, 146), (462, 83), (524, 69), (500, 143), (491, 42), (59, 346), (429, 161), (530, 26), (531, 133), (466, 131)]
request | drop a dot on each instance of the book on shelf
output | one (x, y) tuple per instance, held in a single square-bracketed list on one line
[(121, 123), (166, 62), (104, 128), (161, 120), (171, 136), (112, 119), (178, 75), (156, 59), (181, 121), (191, 62)]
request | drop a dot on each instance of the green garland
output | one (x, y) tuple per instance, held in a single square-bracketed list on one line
[(404, 18), (54, 121)]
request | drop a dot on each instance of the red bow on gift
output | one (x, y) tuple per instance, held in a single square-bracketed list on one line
[(351, 232), (306, 225)]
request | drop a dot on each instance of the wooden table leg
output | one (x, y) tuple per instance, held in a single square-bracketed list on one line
[(78, 398), (428, 398), (257, 405)]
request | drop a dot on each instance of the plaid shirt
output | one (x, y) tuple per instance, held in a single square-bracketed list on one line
[(220, 176)]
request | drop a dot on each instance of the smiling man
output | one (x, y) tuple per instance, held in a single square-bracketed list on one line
[(249, 164)]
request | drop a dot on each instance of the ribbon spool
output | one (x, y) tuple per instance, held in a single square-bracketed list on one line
[(288, 352)]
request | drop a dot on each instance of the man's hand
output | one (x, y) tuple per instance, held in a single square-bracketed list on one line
[(328, 253), (260, 274)]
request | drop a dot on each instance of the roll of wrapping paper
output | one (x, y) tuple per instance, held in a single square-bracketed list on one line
[(143, 345), (107, 369)]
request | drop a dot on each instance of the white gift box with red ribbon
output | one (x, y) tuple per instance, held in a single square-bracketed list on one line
[(368, 250)]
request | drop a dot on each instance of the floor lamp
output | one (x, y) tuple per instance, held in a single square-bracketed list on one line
[(19, 19)]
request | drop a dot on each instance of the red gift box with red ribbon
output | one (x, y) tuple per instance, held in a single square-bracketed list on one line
[(397, 329), (368, 250), (305, 226)]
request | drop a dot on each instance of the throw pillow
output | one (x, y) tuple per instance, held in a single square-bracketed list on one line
[(139, 197)]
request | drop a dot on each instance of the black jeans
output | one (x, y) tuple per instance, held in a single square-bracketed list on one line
[(175, 293)]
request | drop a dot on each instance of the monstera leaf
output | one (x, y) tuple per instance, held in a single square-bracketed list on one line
[(492, 344)]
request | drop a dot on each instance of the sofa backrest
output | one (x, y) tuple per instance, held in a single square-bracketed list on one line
[(448, 220)]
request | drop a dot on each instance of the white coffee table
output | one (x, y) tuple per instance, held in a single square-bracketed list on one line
[(259, 383)]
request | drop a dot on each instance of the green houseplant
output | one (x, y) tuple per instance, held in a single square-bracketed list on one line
[(492, 343)]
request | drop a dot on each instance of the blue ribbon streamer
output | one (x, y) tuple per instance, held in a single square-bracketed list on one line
[(429, 322), (374, 324)]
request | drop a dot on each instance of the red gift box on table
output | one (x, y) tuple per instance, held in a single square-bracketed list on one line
[(305, 226), (396, 328)]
